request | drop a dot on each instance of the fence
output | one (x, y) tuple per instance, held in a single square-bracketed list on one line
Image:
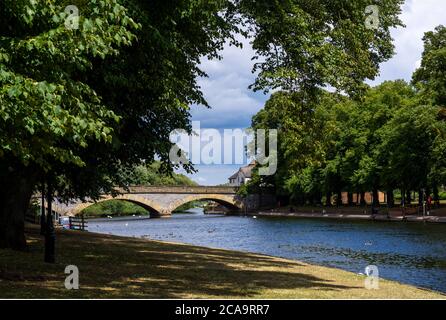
[(77, 223)]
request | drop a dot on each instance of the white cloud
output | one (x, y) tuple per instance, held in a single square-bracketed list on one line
[(419, 16), (226, 90)]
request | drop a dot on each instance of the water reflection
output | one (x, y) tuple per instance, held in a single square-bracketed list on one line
[(406, 252)]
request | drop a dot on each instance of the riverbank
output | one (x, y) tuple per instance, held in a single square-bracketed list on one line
[(119, 267), (378, 217), (351, 214)]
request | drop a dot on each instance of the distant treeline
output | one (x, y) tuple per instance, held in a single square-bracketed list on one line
[(154, 175), (391, 138)]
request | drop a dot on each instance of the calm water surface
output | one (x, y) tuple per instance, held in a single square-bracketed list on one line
[(407, 252)]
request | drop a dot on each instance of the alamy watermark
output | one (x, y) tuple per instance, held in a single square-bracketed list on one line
[(372, 280), (228, 146), (72, 20), (372, 20), (72, 280)]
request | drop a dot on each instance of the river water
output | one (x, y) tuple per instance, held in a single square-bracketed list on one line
[(410, 253)]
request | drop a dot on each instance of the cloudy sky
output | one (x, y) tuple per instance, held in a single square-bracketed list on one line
[(233, 104)]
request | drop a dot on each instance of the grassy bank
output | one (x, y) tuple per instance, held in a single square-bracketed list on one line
[(117, 267)]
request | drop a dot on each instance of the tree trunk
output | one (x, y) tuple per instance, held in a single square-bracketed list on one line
[(408, 198), (301, 200), (436, 195), (15, 196), (375, 198), (339, 199), (362, 201), (420, 198), (328, 199), (350, 199), (318, 199), (390, 199), (50, 235)]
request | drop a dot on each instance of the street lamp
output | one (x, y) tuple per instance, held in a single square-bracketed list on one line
[(50, 234), (423, 200), (42, 211)]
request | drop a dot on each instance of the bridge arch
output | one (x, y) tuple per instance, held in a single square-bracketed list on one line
[(226, 200), (147, 204)]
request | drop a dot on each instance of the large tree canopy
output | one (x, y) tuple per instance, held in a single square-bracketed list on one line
[(46, 110), (47, 113), (431, 76), (389, 140), (304, 44)]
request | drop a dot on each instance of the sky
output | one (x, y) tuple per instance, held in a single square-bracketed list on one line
[(233, 104)]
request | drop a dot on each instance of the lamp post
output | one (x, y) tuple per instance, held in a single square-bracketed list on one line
[(50, 235), (42, 212)]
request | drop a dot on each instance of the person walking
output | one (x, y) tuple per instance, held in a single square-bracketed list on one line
[(429, 204)]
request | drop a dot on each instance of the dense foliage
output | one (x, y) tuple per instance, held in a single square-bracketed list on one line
[(392, 139), (114, 208), (153, 175), (306, 44)]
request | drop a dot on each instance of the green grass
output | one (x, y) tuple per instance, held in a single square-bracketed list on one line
[(118, 267)]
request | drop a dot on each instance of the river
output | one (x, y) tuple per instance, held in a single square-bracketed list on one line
[(411, 253)]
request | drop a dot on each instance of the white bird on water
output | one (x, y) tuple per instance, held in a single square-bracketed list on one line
[(255, 217)]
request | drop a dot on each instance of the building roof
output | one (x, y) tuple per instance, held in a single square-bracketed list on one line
[(246, 171), (234, 175)]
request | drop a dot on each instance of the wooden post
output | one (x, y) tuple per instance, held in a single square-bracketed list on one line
[(50, 235), (42, 212)]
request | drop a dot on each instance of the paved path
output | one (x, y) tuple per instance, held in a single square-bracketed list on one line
[(379, 217)]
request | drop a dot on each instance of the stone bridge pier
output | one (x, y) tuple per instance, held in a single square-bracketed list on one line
[(162, 201)]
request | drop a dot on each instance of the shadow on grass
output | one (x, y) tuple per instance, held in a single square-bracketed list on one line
[(132, 268)]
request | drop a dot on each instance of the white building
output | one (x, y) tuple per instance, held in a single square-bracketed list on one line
[(242, 176)]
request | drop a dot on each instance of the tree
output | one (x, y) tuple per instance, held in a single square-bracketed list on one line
[(46, 112), (430, 78), (340, 144), (407, 141), (150, 86), (77, 105), (306, 44), (380, 105), (298, 141), (152, 175)]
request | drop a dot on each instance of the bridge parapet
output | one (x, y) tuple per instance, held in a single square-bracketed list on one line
[(179, 189), (161, 201)]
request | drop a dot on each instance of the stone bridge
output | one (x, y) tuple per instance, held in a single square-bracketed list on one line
[(161, 201)]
